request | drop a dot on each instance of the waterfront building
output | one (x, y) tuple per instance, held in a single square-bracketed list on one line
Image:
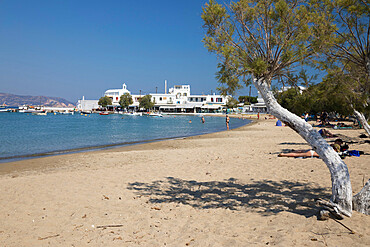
[(115, 94), (87, 105), (178, 99), (260, 106)]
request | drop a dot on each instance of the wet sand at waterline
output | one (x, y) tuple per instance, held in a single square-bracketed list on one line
[(223, 189)]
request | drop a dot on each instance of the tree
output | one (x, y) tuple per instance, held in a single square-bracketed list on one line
[(294, 101), (146, 102), (349, 49), (260, 41), (232, 103), (104, 101), (342, 89), (331, 95), (248, 99), (305, 79), (125, 100)]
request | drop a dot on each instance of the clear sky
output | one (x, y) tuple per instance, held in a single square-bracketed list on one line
[(75, 48)]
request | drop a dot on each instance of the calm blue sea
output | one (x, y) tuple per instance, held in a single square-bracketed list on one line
[(26, 135)]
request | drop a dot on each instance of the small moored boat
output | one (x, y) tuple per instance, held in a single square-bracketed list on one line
[(43, 113), (155, 115)]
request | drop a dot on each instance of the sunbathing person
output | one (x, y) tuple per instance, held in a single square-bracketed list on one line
[(310, 153), (300, 153), (326, 133)]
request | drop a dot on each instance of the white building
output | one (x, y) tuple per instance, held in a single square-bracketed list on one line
[(260, 106), (87, 105), (178, 99), (115, 94)]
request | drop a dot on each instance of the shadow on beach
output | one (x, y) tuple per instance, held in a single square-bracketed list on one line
[(265, 197)]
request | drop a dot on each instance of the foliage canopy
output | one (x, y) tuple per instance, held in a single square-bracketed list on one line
[(146, 102), (347, 54), (104, 101), (248, 99), (125, 100), (232, 103), (266, 38)]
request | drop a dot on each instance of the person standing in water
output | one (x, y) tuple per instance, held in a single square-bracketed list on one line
[(227, 121), (203, 120)]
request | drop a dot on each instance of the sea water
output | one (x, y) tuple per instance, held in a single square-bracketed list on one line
[(25, 135)]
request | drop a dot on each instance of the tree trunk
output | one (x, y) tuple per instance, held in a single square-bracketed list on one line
[(367, 60), (361, 200), (341, 199), (361, 118)]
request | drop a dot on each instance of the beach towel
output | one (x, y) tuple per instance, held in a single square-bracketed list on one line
[(353, 153)]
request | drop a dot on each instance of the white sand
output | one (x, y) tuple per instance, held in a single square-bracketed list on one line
[(221, 189)]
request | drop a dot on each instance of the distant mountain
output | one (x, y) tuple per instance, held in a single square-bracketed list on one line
[(19, 100)]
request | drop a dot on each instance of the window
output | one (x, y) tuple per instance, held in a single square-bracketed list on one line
[(185, 94), (211, 99), (196, 99), (219, 100)]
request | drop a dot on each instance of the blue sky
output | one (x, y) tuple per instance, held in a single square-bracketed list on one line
[(71, 48)]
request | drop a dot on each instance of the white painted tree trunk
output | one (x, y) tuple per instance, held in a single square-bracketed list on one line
[(361, 118), (361, 200), (341, 199), (367, 60)]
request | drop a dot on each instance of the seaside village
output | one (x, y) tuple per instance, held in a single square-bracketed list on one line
[(178, 99)]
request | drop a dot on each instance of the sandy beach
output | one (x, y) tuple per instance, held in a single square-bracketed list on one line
[(222, 189)]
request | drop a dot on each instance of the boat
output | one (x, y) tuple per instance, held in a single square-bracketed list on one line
[(104, 113), (31, 109), (155, 114), (133, 113), (43, 113), (66, 112), (85, 112), (4, 109)]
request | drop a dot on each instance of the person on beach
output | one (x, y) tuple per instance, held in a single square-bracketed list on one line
[(300, 153), (337, 146), (227, 121), (326, 133), (324, 118), (306, 117)]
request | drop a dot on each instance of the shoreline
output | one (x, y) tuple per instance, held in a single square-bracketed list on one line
[(226, 188), (18, 165), (15, 158)]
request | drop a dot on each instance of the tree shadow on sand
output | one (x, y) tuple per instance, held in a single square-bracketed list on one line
[(265, 197)]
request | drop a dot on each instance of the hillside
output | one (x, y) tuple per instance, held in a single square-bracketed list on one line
[(19, 100)]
